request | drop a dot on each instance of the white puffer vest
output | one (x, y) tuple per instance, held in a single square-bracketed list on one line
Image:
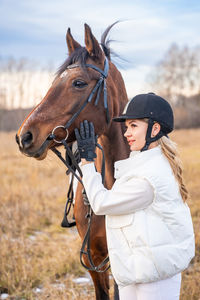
[(157, 242)]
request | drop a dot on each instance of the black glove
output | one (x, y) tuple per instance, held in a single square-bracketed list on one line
[(86, 140)]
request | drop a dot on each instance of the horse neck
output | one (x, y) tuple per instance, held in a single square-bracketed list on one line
[(115, 148), (113, 141)]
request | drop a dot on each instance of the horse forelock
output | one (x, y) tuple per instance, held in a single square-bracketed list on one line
[(80, 56)]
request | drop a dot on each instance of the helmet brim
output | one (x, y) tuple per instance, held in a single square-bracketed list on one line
[(123, 118), (119, 119)]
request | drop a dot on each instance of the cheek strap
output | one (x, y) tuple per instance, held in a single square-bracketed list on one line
[(150, 139)]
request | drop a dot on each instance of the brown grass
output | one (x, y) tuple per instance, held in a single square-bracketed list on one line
[(36, 252)]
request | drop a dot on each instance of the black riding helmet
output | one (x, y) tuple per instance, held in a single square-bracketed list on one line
[(153, 107)]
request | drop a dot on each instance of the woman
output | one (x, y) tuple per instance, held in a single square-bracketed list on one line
[(148, 223)]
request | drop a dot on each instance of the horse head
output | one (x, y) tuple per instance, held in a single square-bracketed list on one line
[(86, 75)]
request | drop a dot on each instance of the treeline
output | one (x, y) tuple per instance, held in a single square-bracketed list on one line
[(187, 114), (23, 83), (176, 77), (11, 119)]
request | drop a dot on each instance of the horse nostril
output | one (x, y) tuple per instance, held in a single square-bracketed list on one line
[(27, 140), (17, 139)]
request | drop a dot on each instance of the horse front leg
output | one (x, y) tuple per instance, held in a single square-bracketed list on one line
[(100, 279), (98, 246), (101, 285)]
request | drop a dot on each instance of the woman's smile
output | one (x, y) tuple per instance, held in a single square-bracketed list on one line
[(130, 142)]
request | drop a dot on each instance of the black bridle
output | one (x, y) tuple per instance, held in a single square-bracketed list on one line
[(97, 88), (72, 162)]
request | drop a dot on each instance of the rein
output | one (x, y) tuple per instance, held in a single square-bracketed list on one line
[(72, 163)]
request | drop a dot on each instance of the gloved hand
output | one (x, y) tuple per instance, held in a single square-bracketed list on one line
[(86, 140)]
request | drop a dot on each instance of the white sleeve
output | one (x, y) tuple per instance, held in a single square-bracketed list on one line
[(124, 197)]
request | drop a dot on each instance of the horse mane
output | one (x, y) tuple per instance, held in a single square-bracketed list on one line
[(105, 41), (80, 54)]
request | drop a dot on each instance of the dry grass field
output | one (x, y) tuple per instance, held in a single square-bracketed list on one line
[(38, 258)]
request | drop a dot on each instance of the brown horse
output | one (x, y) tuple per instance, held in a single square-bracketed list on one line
[(71, 87)]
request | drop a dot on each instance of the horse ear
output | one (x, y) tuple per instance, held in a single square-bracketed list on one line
[(92, 44), (71, 43)]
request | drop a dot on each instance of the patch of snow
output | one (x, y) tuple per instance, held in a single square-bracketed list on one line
[(4, 296), (37, 290), (81, 280)]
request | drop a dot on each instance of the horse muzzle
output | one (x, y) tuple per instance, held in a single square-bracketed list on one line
[(26, 146)]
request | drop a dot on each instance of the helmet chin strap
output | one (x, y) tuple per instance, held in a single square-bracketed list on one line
[(150, 139)]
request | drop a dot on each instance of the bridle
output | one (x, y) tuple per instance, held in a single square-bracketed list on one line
[(97, 88), (72, 162)]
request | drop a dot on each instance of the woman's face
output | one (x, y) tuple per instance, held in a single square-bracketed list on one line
[(135, 133)]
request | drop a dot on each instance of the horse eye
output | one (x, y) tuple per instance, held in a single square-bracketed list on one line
[(79, 84)]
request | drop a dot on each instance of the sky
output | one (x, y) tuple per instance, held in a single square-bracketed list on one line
[(36, 29)]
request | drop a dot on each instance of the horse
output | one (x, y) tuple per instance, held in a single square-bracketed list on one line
[(71, 88)]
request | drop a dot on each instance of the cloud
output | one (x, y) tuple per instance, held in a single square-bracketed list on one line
[(36, 29)]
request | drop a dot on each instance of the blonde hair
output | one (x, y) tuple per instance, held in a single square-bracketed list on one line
[(169, 149)]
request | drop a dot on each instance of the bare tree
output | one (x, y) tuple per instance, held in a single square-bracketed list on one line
[(177, 78), (178, 73), (22, 82)]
